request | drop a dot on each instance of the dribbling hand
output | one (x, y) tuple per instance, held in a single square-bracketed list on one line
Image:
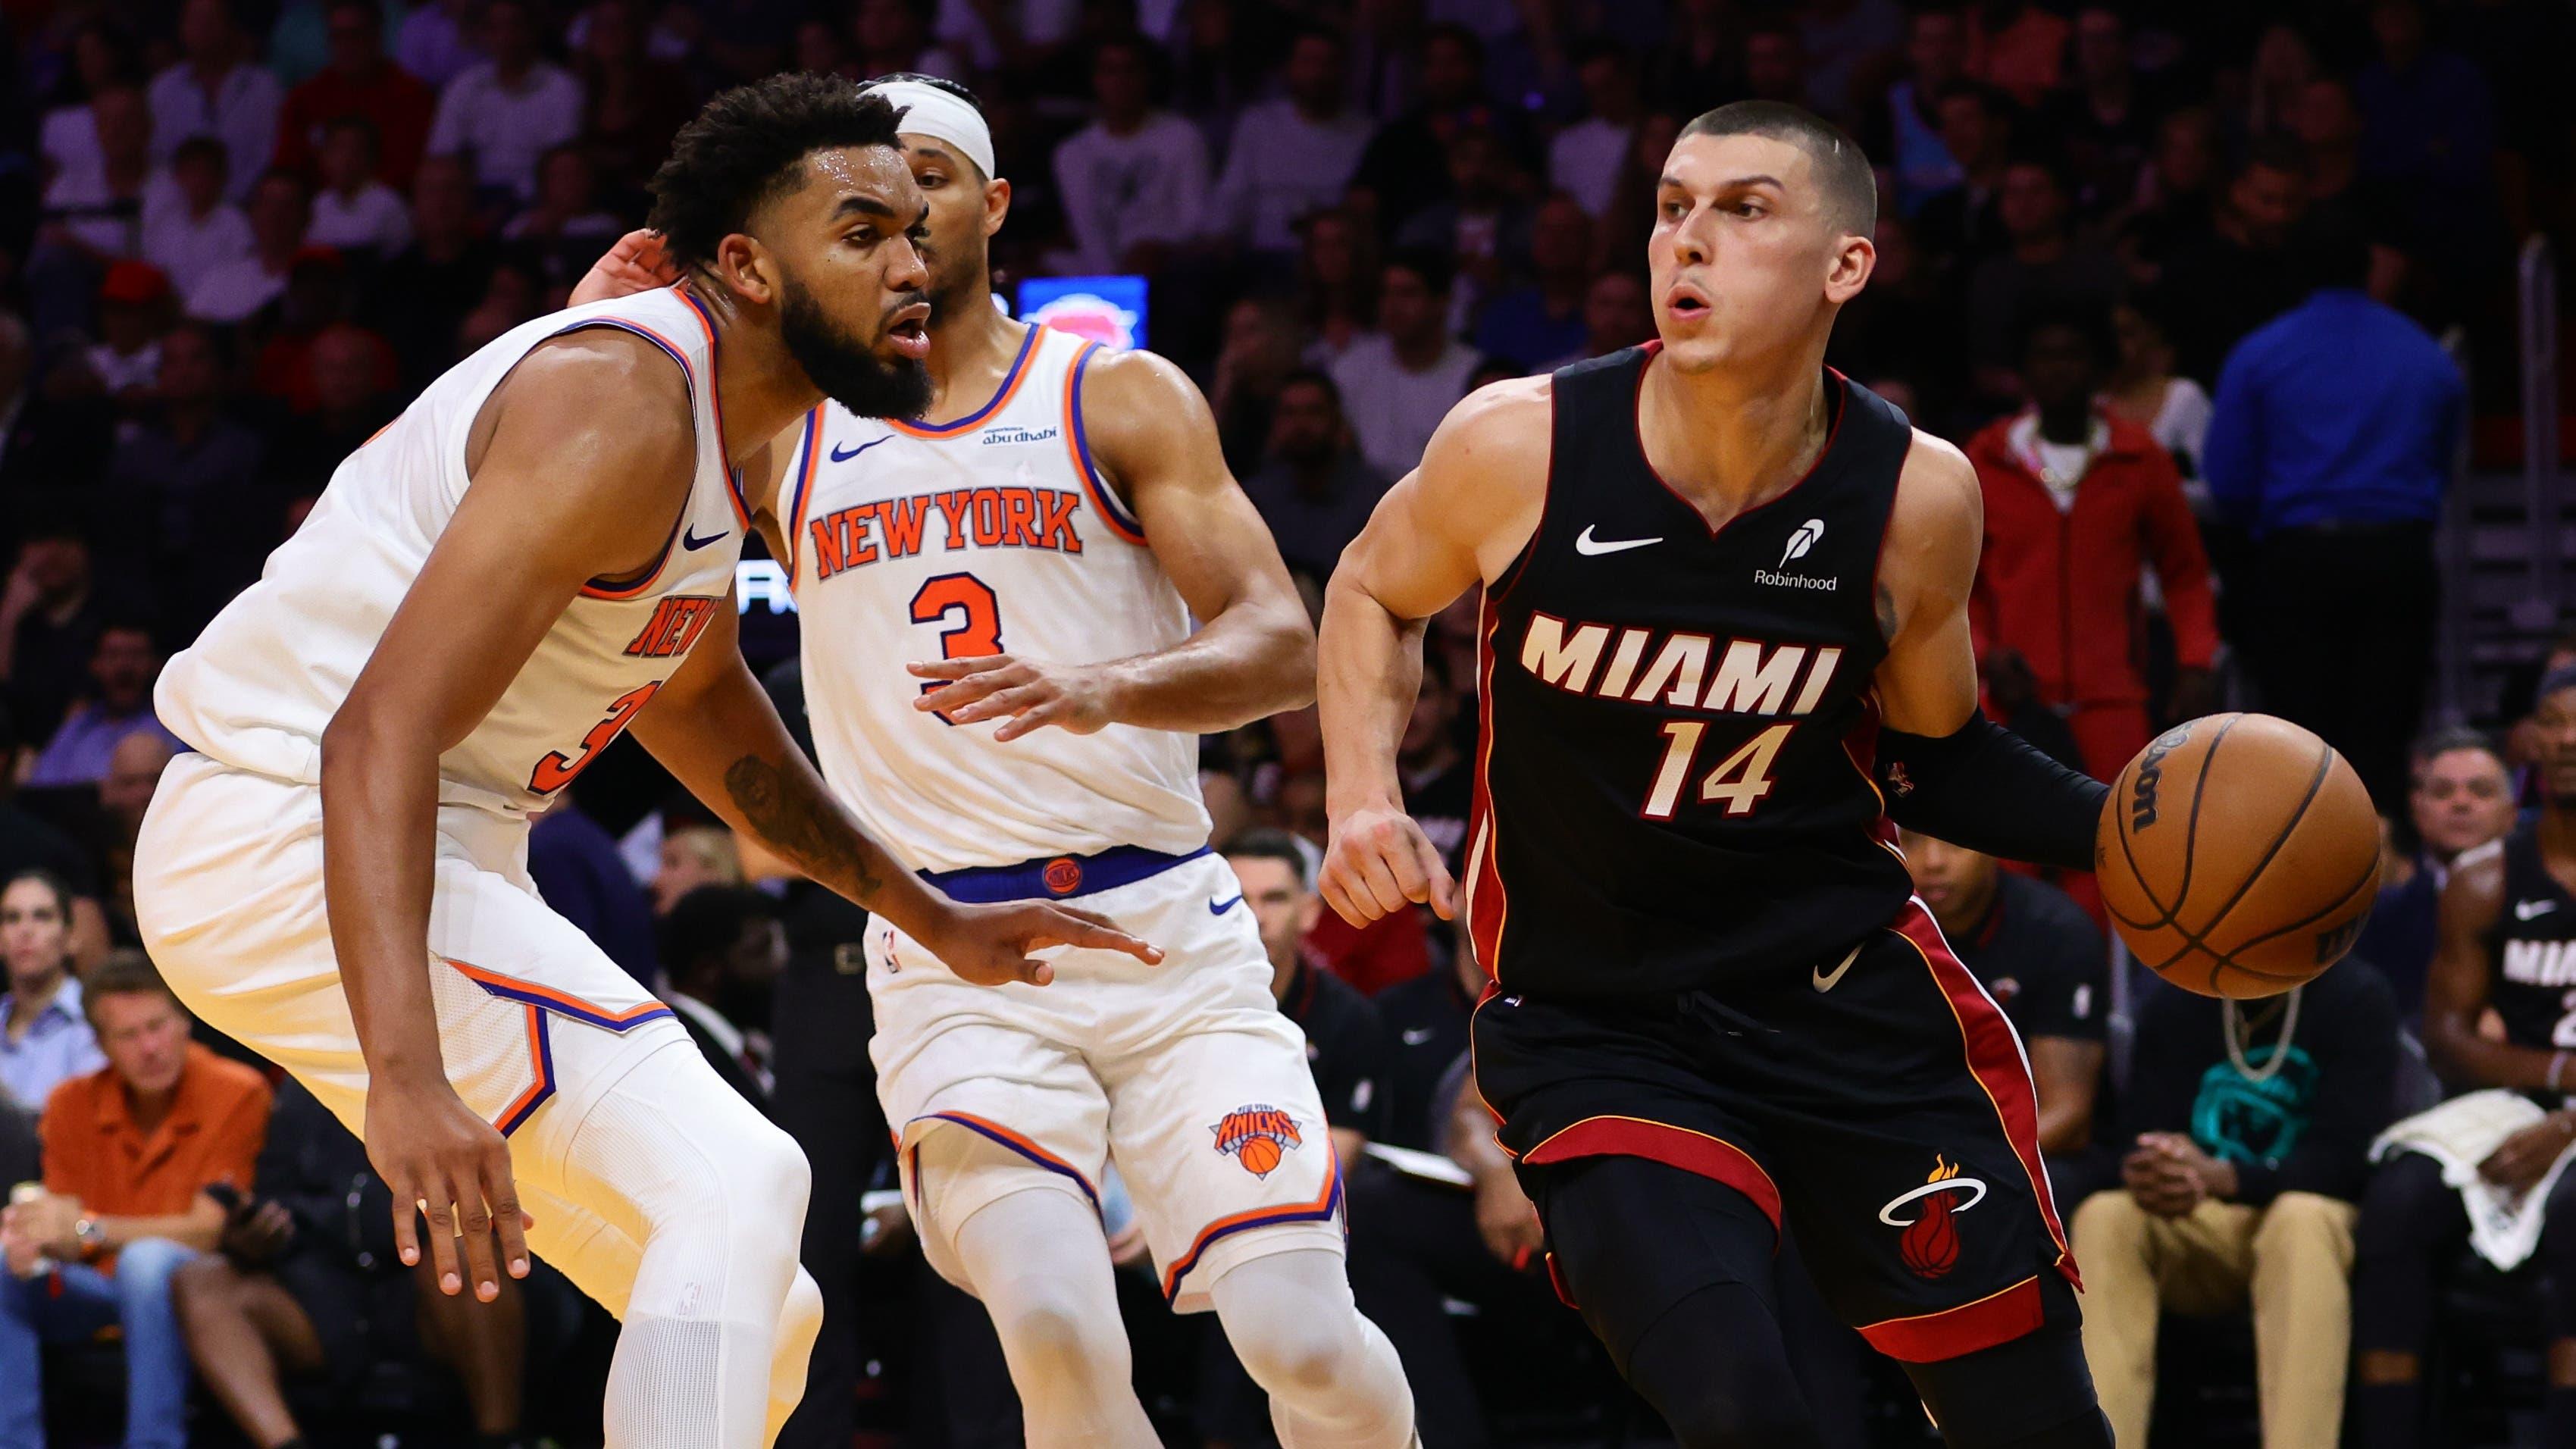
[(1378, 860), (989, 945), (439, 1158)]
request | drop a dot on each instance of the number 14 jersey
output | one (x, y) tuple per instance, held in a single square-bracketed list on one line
[(992, 533)]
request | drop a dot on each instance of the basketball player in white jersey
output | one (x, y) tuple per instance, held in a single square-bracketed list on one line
[(1041, 550), (536, 556)]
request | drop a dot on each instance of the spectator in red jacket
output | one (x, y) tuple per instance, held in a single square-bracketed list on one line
[(361, 82), (2078, 505)]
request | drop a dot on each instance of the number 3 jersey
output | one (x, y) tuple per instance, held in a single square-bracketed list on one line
[(1673, 771), (261, 683), (993, 533)]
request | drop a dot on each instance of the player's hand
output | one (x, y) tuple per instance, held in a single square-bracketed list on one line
[(2523, 1159), (1379, 859), (1072, 697), (989, 945), (1507, 1222), (635, 264), (438, 1158)]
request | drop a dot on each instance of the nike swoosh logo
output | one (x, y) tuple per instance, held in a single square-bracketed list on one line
[(690, 540), (1828, 980), (1587, 545), (2525, 910), (1219, 908), (840, 457), (1416, 1035)]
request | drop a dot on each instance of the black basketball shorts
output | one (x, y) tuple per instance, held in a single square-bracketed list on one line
[(1880, 1105)]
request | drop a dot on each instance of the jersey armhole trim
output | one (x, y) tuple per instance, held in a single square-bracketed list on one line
[(808, 443), (604, 588), (1113, 512), (1502, 587), (1886, 526), (715, 405)]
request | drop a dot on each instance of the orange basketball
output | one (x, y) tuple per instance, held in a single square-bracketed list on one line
[(2238, 856), (1259, 1155)]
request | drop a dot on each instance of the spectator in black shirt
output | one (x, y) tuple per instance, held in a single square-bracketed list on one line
[(578, 871), (1426, 1024), (1406, 166), (1314, 489), (722, 951), (194, 490), (418, 298), (2042, 960), (306, 1283), (49, 618), (2246, 1128), (2243, 273), (1960, 225)]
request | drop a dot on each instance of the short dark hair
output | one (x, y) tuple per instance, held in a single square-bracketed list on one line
[(748, 146), (1313, 377), (1842, 171), (2452, 739), (202, 148), (2279, 153), (1431, 264), (707, 922), (1270, 843), (124, 973), (61, 888), (353, 122), (2090, 322)]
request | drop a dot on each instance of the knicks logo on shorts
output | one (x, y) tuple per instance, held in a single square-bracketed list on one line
[(1929, 1243), (1257, 1136)]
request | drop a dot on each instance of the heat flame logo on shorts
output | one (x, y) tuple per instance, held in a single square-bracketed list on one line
[(1929, 1245), (1257, 1136)]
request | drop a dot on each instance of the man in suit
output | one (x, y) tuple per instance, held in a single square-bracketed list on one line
[(722, 948)]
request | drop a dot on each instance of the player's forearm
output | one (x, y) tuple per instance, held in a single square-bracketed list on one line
[(726, 744), (2456, 1046), (199, 1228), (379, 821), (1368, 670), (1254, 660)]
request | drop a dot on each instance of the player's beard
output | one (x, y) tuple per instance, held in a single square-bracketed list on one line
[(847, 370)]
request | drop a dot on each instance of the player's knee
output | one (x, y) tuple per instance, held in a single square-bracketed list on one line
[(1708, 1413), (203, 1289), (1294, 1357), (1052, 1325), (2406, 1209)]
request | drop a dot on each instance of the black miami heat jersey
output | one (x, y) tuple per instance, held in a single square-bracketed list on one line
[(2533, 946), (1673, 770)]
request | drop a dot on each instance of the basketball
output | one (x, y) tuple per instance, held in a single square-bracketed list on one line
[(2238, 855)]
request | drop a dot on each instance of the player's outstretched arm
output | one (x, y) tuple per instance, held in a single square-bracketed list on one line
[(1943, 767), (1459, 519), (1254, 653), (714, 728), (580, 461), (2456, 987)]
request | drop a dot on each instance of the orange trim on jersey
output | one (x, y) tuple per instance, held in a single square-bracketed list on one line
[(986, 1127), (715, 405), (541, 1084), (1011, 381), (1326, 1203), (1076, 443), (644, 585), (563, 1003), (813, 444)]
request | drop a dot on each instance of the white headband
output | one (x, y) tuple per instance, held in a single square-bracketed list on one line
[(930, 111)]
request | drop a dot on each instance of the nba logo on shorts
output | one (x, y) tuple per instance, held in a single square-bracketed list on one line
[(1256, 1136)]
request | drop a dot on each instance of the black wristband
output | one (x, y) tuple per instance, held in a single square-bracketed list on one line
[(1986, 788)]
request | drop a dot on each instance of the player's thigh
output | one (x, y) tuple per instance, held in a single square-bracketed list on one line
[(1220, 1134), (953, 1173), (1629, 1237)]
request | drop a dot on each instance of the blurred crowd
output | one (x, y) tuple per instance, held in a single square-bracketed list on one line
[(2200, 289)]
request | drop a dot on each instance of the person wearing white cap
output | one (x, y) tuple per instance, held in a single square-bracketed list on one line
[(1042, 546)]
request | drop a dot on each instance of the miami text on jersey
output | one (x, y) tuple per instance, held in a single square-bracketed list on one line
[(1748, 677)]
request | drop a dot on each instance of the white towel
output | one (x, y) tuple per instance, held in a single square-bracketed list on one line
[(2504, 1227)]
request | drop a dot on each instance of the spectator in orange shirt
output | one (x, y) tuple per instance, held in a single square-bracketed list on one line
[(2078, 504), (136, 1156)]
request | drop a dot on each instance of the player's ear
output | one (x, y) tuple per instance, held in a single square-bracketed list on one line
[(744, 266), (997, 204), (1848, 267)]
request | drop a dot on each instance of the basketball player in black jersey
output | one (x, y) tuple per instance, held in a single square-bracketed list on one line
[(2507, 943), (1724, 638)]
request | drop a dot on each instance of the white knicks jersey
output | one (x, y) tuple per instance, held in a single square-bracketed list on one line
[(991, 534), (260, 684)]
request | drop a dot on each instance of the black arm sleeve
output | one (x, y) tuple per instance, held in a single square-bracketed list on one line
[(1984, 787)]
